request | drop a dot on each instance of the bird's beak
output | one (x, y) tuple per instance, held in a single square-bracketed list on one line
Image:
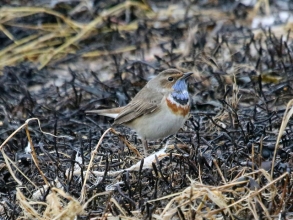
[(186, 75)]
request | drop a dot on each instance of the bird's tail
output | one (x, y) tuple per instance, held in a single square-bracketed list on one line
[(112, 113)]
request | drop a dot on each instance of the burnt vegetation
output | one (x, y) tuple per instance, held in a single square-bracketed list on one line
[(218, 166)]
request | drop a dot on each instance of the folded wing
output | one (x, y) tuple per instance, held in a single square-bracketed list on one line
[(145, 102)]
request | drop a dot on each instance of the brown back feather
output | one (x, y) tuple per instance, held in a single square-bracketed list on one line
[(145, 102)]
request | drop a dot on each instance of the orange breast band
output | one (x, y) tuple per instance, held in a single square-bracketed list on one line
[(177, 108)]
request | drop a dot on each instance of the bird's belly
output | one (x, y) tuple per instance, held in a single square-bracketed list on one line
[(158, 124)]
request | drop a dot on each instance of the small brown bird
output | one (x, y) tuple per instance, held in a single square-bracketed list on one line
[(158, 110)]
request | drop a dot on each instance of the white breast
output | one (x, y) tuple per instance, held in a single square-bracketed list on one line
[(159, 124)]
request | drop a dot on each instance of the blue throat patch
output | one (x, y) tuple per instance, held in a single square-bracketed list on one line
[(180, 93)]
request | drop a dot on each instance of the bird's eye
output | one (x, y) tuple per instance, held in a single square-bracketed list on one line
[(170, 79)]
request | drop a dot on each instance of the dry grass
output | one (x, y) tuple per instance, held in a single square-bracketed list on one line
[(54, 41)]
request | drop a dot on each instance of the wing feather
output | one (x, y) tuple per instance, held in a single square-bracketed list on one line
[(145, 102)]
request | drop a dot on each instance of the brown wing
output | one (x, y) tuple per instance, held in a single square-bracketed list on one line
[(145, 102)]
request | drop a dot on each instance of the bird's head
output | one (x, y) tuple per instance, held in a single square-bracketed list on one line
[(170, 80)]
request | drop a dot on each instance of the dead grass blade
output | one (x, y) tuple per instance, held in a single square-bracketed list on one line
[(58, 205), (83, 190), (228, 199), (287, 115)]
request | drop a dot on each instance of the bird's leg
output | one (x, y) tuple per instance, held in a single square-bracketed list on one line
[(145, 147)]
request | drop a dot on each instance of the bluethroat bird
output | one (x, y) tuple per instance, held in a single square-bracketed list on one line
[(158, 110)]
